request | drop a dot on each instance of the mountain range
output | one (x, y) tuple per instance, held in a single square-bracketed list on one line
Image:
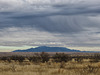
[(47, 49)]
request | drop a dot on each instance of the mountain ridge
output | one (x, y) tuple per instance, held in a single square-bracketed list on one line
[(53, 49), (47, 49)]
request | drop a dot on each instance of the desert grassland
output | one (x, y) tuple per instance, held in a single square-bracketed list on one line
[(30, 68), (43, 64)]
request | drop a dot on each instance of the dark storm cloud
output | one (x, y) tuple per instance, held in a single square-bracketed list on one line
[(6, 13), (40, 19), (65, 10), (59, 24), (78, 9)]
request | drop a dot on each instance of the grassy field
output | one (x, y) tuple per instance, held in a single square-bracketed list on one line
[(51, 67)]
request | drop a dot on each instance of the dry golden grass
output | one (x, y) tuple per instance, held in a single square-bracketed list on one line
[(49, 68)]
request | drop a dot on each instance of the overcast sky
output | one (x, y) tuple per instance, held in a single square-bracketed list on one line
[(62, 23)]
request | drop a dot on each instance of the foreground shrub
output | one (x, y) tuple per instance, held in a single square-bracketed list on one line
[(79, 59), (95, 58), (18, 58), (60, 57), (42, 57), (35, 58), (4, 58)]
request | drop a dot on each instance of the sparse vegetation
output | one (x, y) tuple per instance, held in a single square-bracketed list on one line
[(58, 64)]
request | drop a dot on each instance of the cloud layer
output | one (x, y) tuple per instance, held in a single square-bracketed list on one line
[(50, 22)]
